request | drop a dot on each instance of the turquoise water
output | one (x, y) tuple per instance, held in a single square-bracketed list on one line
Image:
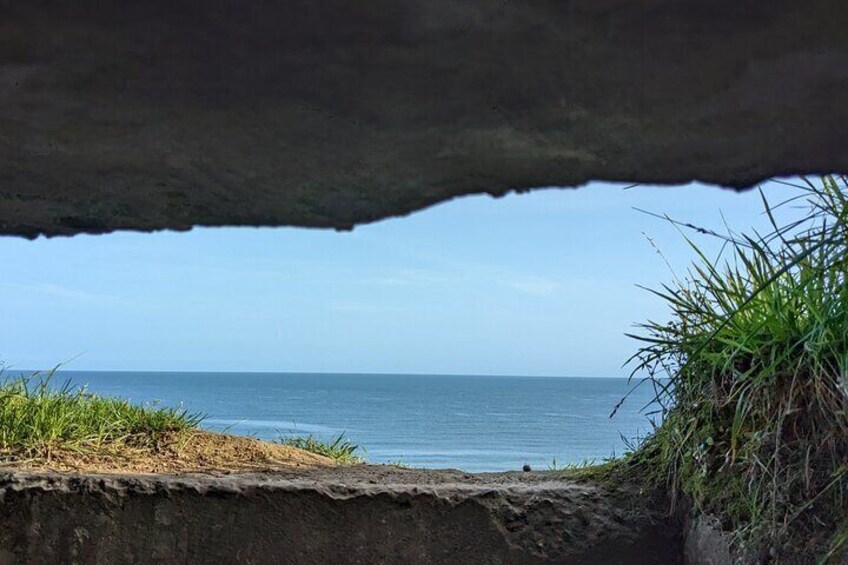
[(474, 423)]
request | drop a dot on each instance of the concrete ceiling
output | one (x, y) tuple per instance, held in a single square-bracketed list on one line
[(328, 113)]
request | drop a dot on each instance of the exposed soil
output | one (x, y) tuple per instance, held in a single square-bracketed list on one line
[(194, 451)]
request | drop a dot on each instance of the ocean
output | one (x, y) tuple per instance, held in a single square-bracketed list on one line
[(473, 423)]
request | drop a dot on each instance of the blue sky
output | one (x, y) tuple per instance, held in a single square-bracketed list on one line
[(532, 284)]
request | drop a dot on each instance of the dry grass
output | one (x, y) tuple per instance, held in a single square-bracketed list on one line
[(190, 451)]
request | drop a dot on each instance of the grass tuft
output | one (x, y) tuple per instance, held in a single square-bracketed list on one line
[(339, 448), (38, 419), (603, 472), (751, 374)]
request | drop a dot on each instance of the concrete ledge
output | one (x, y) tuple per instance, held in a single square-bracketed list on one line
[(347, 515)]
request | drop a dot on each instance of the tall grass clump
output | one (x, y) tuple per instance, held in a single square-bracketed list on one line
[(340, 448), (751, 375), (39, 419)]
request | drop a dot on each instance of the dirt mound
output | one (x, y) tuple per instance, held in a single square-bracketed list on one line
[(183, 452)]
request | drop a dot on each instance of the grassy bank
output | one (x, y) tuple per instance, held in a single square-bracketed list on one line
[(39, 418), (50, 425), (751, 372)]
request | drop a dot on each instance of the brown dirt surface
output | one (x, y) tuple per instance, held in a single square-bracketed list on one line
[(193, 451)]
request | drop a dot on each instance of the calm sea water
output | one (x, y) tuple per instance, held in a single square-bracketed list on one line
[(474, 423)]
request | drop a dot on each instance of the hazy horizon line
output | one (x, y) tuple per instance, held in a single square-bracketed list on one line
[(59, 369)]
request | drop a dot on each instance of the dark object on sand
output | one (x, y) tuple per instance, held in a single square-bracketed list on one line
[(526, 468)]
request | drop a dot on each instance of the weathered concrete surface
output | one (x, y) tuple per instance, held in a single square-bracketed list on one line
[(705, 544), (362, 515), (174, 113)]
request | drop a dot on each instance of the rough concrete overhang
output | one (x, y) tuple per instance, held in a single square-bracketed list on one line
[(174, 113)]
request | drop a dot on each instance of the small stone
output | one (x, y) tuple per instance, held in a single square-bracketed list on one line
[(526, 468)]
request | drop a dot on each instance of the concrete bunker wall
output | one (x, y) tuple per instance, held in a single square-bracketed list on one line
[(335, 518), (167, 114)]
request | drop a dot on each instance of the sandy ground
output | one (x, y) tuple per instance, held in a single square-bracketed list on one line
[(181, 453)]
